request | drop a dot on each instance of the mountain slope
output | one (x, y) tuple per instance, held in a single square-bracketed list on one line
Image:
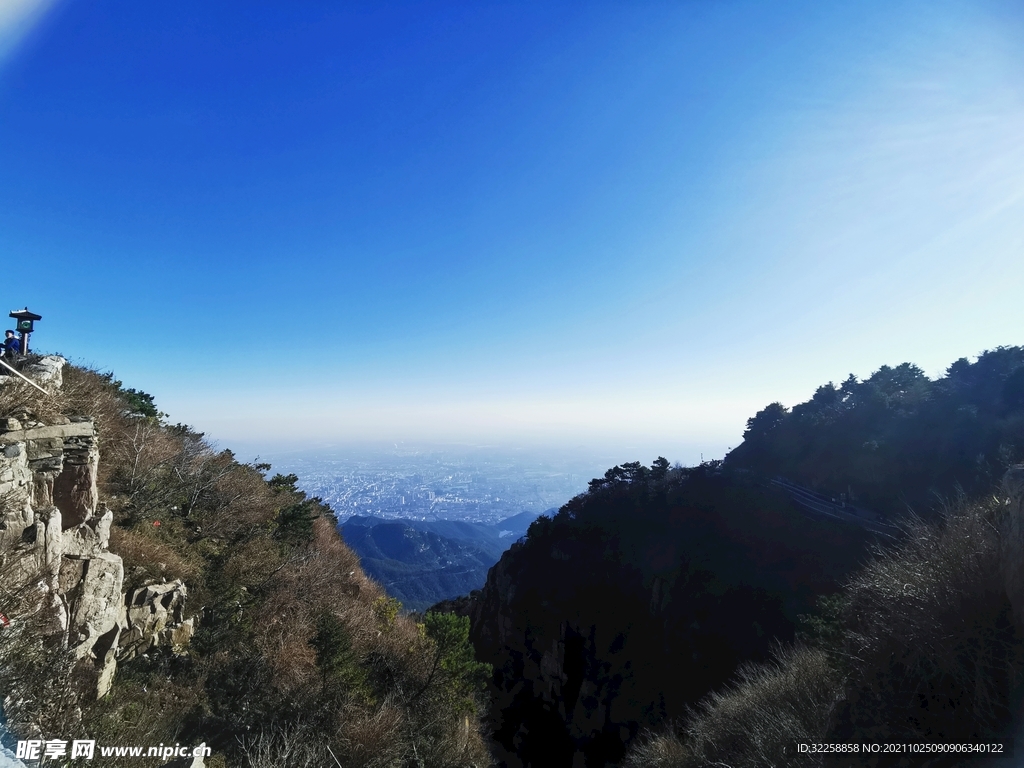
[(642, 595), (639, 597), (296, 657), (419, 568), (424, 562)]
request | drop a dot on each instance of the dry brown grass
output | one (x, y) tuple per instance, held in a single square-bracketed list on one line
[(85, 393), (659, 750), (326, 575), (148, 559), (88, 393), (926, 653), (241, 497), (251, 563), (751, 724), (263, 592), (392, 652), (374, 739), (25, 402), (929, 636)]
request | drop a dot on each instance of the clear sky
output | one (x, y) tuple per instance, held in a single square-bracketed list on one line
[(626, 223)]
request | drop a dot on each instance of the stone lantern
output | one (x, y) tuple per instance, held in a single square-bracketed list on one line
[(24, 320)]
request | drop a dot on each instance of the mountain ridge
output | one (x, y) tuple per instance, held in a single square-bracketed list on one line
[(655, 587)]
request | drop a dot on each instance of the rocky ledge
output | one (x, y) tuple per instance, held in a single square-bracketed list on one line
[(54, 538)]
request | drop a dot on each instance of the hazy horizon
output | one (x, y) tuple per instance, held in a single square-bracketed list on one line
[(597, 457), (628, 227)]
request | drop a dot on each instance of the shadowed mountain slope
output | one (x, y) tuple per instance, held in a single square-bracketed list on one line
[(637, 598), (648, 591)]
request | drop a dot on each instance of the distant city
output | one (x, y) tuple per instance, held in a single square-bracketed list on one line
[(473, 484)]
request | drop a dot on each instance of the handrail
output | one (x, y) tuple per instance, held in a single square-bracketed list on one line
[(26, 378)]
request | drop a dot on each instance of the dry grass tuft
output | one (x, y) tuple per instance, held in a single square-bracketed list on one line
[(751, 724), (148, 559), (925, 651), (377, 740), (928, 633)]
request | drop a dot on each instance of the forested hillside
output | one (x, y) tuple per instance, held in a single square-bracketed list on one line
[(297, 658), (417, 567), (640, 596), (898, 439), (422, 562), (649, 591), (923, 646)]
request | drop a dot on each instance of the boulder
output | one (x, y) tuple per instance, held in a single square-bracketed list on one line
[(47, 371), (155, 616), (88, 539), (98, 607)]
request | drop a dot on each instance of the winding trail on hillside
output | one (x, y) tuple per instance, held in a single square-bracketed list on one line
[(824, 506)]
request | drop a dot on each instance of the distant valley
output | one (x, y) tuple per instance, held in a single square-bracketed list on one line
[(422, 562), (484, 484), (428, 521)]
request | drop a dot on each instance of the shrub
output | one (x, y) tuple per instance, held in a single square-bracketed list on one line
[(147, 559), (927, 630), (919, 646), (750, 724), (36, 668)]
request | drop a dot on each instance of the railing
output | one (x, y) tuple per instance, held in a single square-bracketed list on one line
[(824, 505)]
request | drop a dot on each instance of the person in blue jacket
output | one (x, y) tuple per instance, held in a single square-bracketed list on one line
[(12, 345)]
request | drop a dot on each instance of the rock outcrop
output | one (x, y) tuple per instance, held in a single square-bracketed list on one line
[(51, 534), (155, 616), (47, 371), (54, 537)]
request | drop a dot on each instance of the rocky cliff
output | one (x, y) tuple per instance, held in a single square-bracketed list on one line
[(55, 562)]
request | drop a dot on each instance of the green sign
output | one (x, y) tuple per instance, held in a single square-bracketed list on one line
[(25, 326)]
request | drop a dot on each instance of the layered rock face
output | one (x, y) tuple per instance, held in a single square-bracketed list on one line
[(54, 538)]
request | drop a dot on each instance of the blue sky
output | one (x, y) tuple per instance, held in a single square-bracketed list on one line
[(632, 224)]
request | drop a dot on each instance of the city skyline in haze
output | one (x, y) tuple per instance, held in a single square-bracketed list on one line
[(624, 225)]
